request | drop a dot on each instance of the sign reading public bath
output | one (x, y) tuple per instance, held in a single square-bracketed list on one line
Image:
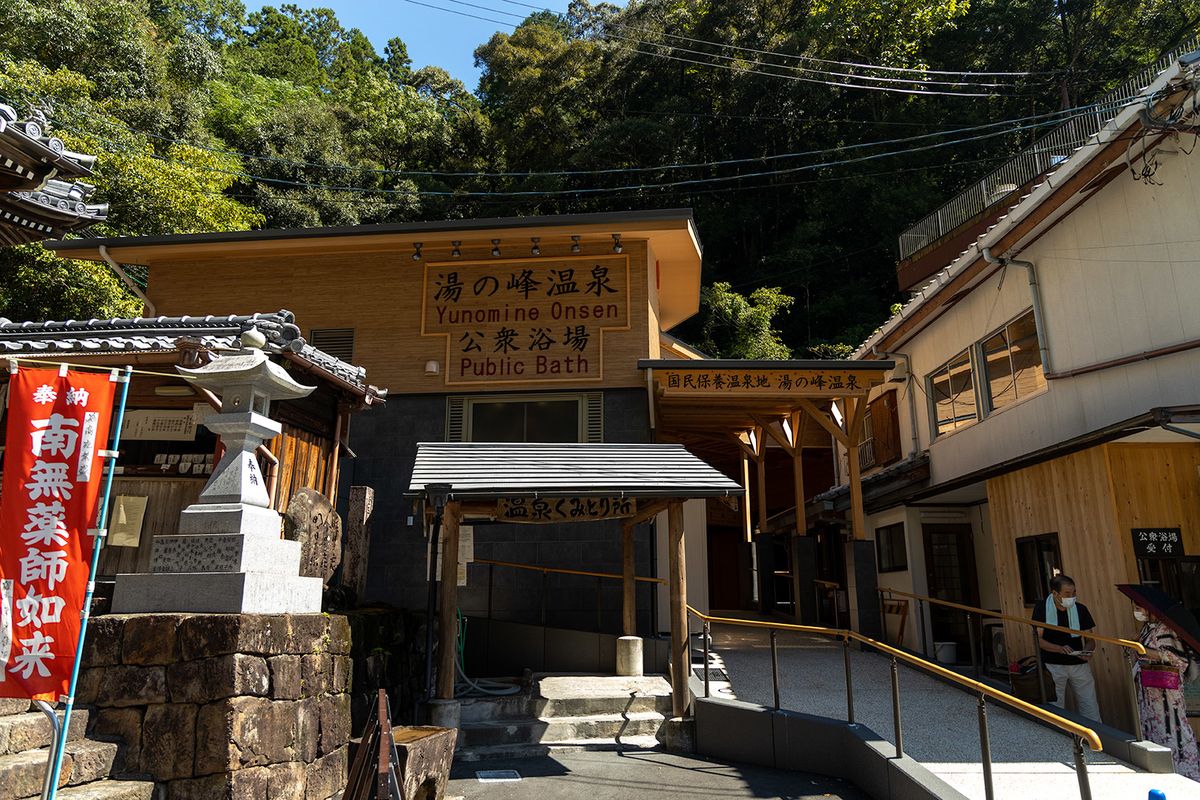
[(525, 321)]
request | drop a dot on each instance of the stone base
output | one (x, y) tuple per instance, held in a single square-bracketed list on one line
[(629, 656), (200, 518), (678, 734), (230, 552), (216, 593), (444, 713)]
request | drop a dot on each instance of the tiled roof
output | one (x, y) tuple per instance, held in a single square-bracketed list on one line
[(161, 334), (480, 470)]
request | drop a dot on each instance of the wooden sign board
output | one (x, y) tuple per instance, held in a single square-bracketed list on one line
[(525, 321), (1157, 543), (565, 509), (751, 382)]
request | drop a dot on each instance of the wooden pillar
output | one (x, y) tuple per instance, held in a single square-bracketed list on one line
[(798, 422), (628, 582), (448, 627), (854, 415), (747, 529), (681, 651), (761, 463)]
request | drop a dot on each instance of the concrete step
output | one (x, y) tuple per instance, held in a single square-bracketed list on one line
[(31, 730), (84, 761), (90, 761), (106, 790), (524, 706), (626, 743), (15, 705), (550, 730)]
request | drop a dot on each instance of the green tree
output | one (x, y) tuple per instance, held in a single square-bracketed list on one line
[(734, 326)]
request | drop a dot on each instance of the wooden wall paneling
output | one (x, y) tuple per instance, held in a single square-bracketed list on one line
[(1070, 496), (166, 497)]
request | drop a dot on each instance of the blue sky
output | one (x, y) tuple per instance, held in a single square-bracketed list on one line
[(441, 38)]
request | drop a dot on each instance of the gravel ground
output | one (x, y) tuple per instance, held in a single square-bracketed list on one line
[(940, 723)]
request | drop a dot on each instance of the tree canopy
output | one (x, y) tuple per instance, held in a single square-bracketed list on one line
[(789, 127)]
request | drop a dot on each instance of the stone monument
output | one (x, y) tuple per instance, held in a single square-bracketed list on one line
[(228, 556)]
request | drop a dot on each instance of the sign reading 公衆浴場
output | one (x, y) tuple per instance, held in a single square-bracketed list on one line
[(1157, 543), (57, 425), (527, 320)]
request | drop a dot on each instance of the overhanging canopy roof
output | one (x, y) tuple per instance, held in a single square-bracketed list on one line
[(487, 471)]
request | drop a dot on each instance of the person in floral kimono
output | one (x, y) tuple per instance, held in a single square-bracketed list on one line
[(1160, 692)]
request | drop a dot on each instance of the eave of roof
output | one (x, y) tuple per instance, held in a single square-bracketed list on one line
[(968, 269), (489, 471)]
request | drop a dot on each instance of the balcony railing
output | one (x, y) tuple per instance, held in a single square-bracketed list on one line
[(1041, 156), (866, 453)]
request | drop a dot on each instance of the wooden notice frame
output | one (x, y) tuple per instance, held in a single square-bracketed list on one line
[(539, 312)]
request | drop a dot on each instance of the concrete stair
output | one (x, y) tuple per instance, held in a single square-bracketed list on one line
[(565, 713), (25, 738)]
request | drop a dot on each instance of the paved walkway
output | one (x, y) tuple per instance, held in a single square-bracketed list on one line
[(939, 722), (646, 773)]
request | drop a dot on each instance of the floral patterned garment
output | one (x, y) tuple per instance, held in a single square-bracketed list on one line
[(1164, 713)]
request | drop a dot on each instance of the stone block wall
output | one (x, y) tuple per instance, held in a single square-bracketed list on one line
[(223, 705)]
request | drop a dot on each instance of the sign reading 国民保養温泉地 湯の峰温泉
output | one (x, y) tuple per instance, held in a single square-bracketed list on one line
[(528, 320)]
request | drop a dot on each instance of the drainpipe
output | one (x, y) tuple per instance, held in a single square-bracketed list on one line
[(912, 407), (151, 310), (1162, 418), (1043, 343), (438, 494)]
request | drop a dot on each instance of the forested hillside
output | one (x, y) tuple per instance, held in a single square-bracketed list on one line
[(805, 134)]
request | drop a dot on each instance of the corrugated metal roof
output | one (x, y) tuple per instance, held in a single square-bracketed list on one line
[(481, 470)]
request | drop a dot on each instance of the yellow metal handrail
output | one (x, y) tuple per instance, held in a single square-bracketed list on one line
[(1067, 726), (999, 615), (830, 584), (568, 571)]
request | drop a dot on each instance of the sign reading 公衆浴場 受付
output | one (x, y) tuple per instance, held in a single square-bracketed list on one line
[(57, 426), (527, 320), (1157, 543)]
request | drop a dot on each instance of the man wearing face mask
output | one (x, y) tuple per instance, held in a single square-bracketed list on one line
[(1066, 656)]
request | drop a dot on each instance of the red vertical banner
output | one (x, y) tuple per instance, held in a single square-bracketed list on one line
[(57, 425)]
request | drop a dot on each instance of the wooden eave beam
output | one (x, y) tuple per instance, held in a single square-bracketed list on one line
[(778, 436), (823, 420), (648, 513)]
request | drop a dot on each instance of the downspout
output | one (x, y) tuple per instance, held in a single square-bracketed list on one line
[(1043, 343), (438, 494), (912, 404), (151, 310)]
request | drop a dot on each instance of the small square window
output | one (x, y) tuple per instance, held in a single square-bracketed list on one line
[(890, 549), (1013, 362), (952, 392), (1038, 561)]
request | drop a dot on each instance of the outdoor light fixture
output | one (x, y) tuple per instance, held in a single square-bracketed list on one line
[(535, 250), (432, 368), (454, 253), (417, 255), (496, 248), (575, 247), (617, 243)]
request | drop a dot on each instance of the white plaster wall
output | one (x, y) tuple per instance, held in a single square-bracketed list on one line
[(1119, 276), (695, 543)]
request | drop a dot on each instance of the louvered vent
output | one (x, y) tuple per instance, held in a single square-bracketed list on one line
[(337, 342), (594, 417), (456, 419)]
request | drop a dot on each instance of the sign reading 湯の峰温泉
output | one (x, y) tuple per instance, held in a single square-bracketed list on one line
[(564, 509), (527, 320), (1157, 543), (57, 426), (831, 382)]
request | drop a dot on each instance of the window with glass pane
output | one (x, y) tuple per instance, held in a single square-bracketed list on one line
[(1013, 362), (953, 394), (548, 420), (1038, 561), (889, 548)]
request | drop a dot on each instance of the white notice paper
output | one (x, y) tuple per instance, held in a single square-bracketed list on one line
[(125, 520)]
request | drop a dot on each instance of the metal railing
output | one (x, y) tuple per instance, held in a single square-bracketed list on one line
[(866, 453), (1041, 156), (976, 614), (1079, 734), (599, 576)]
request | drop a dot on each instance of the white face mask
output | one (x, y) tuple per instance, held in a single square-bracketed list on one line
[(1067, 602), (1141, 616)]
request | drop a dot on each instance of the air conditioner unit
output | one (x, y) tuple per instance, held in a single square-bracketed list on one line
[(993, 634)]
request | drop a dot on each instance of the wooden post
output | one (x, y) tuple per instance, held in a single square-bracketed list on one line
[(798, 422), (854, 419), (448, 627), (681, 651), (628, 582), (760, 445), (747, 530)]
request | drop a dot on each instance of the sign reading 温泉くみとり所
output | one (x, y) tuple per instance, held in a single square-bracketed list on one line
[(57, 426), (564, 509), (525, 320), (1157, 543)]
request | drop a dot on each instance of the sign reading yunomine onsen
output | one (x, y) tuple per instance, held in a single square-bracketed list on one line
[(528, 320)]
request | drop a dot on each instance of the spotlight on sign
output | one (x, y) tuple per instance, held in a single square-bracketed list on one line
[(617, 243), (454, 253), (417, 255), (495, 248), (575, 247), (535, 250)]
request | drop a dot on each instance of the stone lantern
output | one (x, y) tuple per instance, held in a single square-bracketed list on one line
[(228, 556)]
